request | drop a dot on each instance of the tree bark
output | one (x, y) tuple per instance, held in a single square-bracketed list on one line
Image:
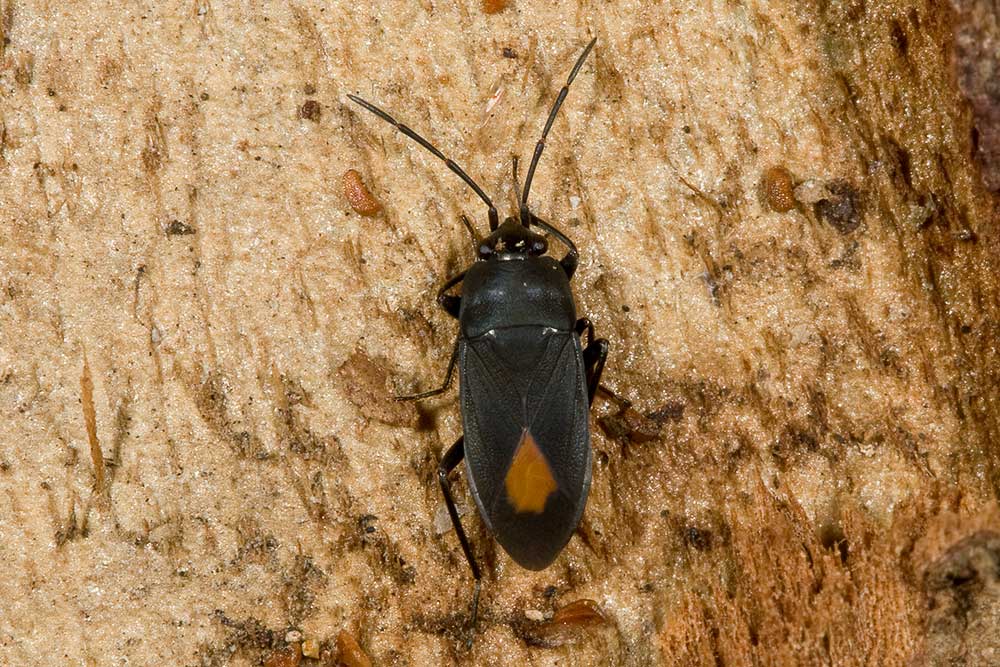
[(787, 232)]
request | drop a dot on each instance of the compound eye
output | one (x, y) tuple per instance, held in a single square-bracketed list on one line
[(485, 251), (539, 246)]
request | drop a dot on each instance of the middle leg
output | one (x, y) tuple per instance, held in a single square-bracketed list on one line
[(452, 305), (444, 385)]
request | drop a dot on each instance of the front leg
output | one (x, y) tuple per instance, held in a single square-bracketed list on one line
[(452, 304), (572, 257)]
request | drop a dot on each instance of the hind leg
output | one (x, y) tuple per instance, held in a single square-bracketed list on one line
[(594, 355), (449, 462)]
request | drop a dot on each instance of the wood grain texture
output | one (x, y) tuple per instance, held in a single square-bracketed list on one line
[(807, 470)]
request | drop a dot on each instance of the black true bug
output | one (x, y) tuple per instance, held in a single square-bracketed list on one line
[(526, 382)]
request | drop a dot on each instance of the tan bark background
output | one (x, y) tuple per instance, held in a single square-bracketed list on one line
[(199, 338)]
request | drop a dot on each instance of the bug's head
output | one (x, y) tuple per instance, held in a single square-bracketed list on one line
[(513, 238)]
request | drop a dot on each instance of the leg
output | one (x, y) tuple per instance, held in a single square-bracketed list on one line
[(584, 324), (594, 356), (444, 386), (568, 262), (472, 231), (451, 459), (450, 303)]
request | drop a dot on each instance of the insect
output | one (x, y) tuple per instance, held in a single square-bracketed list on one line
[(526, 381)]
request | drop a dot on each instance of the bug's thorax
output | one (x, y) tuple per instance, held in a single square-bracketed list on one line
[(499, 293)]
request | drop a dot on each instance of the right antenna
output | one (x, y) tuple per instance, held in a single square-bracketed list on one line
[(540, 146)]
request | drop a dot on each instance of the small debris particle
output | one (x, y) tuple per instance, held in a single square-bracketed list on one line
[(358, 195), (90, 421), (151, 158), (311, 110), (350, 653), (574, 202), (568, 625), (178, 228), (920, 215), (842, 209), (698, 538), (899, 38), (779, 189), (293, 636), (23, 75), (672, 411), (494, 99), (811, 191), (203, 97), (310, 648), (509, 52), (494, 6), (288, 656), (309, 89), (534, 615), (580, 612)]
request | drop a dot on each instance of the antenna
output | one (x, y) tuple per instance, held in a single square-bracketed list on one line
[(494, 219), (540, 146)]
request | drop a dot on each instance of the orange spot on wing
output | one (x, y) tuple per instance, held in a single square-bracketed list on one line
[(529, 481)]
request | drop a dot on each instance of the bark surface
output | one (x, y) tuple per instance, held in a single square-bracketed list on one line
[(787, 232)]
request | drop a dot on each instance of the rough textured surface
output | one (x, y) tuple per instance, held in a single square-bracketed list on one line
[(977, 61), (805, 475)]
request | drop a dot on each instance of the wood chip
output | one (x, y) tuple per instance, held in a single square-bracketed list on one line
[(288, 656), (569, 625), (494, 6), (779, 189), (358, 195), (90, 420), (350, 653), (310, 648)]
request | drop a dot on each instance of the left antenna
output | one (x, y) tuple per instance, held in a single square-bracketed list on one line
[(494, 219)]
